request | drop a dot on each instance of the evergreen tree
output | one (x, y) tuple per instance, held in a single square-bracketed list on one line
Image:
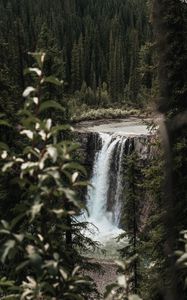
[(134, 77), (75, 68)]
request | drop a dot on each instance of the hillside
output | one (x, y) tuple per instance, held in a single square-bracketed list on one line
[(102, 49)]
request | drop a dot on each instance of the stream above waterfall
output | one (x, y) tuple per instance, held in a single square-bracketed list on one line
[(124, 127)]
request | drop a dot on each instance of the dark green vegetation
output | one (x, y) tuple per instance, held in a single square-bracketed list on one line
[(103, 50), (170, 20), (160, 269)]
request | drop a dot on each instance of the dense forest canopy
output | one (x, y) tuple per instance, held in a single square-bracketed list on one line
[(104, 46)]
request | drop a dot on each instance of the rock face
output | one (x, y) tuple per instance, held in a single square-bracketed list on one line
[(90, 143)]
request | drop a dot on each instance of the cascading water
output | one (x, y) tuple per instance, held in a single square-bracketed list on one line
[(105, 220), (119, 185)]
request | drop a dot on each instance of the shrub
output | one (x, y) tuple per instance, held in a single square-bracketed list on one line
[(38, 254)]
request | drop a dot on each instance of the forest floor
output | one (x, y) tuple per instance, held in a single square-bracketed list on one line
[(106, 276)]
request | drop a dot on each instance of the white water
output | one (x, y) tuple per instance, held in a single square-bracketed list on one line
[(97, 194), (119, 187)]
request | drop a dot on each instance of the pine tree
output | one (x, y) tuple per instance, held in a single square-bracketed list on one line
[(77, 65), (116, 63), (134, 77), (54, 64)]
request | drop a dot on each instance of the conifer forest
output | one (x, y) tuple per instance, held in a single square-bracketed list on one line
[(93, 150)]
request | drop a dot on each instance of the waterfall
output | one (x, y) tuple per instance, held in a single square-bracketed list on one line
[(109, 156), (119, 184)]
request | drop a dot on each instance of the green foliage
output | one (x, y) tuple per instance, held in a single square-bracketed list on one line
[(38, 243), (181, 255)]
